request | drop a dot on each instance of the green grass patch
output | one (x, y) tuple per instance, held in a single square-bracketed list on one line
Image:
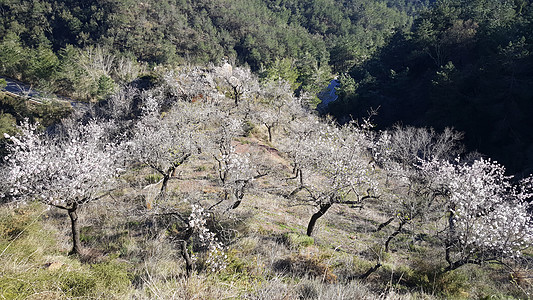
[(153, 178), (297, 241), (71, 279)]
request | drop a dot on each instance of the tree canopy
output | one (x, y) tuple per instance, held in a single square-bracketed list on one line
[(40, 40), (463, 64)]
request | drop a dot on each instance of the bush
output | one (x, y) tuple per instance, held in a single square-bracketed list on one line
[(105, 87)]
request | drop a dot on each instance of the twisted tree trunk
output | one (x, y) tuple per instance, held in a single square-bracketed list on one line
[(323, 209), (188, 261), (398, 231), (370, 271), (76, 244)]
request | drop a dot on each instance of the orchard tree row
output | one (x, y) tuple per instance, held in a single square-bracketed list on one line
[(414, 176)]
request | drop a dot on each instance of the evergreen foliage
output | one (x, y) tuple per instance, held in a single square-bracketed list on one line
[(38, 38), (463, 64)]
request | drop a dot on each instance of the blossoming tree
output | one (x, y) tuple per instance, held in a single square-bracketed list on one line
[(336, 160), (487, 215), (64, 171), (241, 82), (236, 171), (413, 197), (273, 108), (193, 231), (165, 140)]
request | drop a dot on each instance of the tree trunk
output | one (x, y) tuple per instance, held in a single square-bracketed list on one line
[(370, 271), (269, 133), (398, 231), (164, 185), (239, 194), (295, 191), (323, 209), (163, 191), (382, 225), (449, 241), (236, 204), (236, 95), (448, 253), (454, 265), (76, 244), (187, 258), (238, 199), (169, 174)]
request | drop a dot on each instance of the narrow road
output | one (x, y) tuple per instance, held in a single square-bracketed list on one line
[(17, 88), (328, 95)]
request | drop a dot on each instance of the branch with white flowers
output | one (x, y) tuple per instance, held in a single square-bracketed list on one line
[(487, 214), (64, 171)]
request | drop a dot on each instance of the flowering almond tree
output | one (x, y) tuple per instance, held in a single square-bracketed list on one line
[(236, 171), (274, 107), (298, 144), (165, 140), (414, 197), (192, 231), (336, 159), (270, 116), (240, 81), (487, 215), (189, 84), (63, 171)]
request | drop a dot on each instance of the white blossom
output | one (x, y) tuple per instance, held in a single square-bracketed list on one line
[(488, 214), (60, 170), (216, 256)]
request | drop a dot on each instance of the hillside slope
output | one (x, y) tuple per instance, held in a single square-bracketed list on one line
[(220, 179)]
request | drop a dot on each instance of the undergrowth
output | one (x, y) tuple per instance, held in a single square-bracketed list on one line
[(133, 253)]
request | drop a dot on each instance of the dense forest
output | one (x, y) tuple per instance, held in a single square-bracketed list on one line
[(83, 48), (465, 64), (87, 50)]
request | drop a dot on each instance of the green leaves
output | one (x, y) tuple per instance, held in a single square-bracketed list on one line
[(293, 40), (11, 55)]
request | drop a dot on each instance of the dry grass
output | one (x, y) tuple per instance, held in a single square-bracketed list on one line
[(269, 256)]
